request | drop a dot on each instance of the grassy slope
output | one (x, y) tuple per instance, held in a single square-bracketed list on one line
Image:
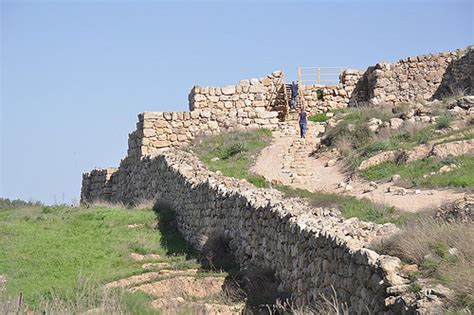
[(236, 152), (44, 250), (349, 206), (414, 171)]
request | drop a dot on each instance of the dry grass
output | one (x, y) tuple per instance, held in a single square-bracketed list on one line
[(444, 252), (89, 297), (324, 306)]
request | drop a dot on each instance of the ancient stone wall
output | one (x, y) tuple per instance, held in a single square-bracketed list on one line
[(420, 78), (321, 98), (248, 105), (311, 250)]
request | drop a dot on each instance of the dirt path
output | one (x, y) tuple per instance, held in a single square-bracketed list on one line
[(289, 160)]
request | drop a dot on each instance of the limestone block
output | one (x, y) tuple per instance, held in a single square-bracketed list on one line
[(148, 132), (152, 115), (228, 90), (161, 144), (199, 97), (205, 114), (182, 138)]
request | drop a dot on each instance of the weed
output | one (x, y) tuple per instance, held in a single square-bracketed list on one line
[(415, 287), (233, 150), (444, 120)]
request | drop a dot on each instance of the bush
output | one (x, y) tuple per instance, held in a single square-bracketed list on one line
[(321, 117), (232, 150), (444, 120), (423, 136)]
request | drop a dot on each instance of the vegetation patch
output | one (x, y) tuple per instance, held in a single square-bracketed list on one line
[(233, 153), (60, 257), (443, 251), (418, 172), (350, 206), (321, 117)]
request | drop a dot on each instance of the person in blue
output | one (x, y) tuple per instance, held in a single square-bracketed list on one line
[(303, 123), (294, 94)]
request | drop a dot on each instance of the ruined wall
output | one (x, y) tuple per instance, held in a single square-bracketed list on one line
[(311, 250), (420, 78), (258, 94), (248, 105), (320, 98)]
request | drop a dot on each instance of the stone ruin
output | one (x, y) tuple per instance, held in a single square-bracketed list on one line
[(311, 250)]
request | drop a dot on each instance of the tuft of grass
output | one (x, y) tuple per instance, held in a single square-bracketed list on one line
[(426, 242), (444, 120), (349, 206), (413, 172), (235, 153), (321, 117)]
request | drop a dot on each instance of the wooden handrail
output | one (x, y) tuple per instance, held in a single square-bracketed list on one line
[(319, 75)]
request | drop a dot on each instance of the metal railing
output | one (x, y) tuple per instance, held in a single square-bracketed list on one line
[(319, 75)]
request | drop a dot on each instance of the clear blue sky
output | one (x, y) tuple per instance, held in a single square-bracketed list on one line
[(74, 74)]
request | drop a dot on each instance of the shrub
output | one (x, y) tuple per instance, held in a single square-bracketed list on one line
[(423, 136), (233, 149), (375, 147), (321, 117), (320, 95), (444, 120)]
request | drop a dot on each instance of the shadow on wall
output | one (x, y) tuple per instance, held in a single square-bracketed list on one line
[(171, 238), (455, 81), (361, 95)]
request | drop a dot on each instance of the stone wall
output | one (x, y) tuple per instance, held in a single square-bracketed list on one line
[(421, 78), (248, 94), (320, 98), (258, 103), (311, 250), (250, 104)]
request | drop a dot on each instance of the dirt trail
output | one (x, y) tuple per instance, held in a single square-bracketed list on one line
[(290, 161)]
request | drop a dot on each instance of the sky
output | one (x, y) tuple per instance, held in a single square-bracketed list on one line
[(75, 74)]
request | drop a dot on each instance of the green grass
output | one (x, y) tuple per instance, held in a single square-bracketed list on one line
[(45, 250), (321, 117), (413, 172), (349, 206), (235, 153)]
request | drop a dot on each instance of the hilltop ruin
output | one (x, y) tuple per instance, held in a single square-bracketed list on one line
[(311, 250)]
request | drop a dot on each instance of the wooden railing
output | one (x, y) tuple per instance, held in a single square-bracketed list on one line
[(319, 75)]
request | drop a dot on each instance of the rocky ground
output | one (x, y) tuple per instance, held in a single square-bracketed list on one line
[(177, 289)]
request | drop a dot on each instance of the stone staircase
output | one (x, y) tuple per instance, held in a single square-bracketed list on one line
[(297, 158)]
